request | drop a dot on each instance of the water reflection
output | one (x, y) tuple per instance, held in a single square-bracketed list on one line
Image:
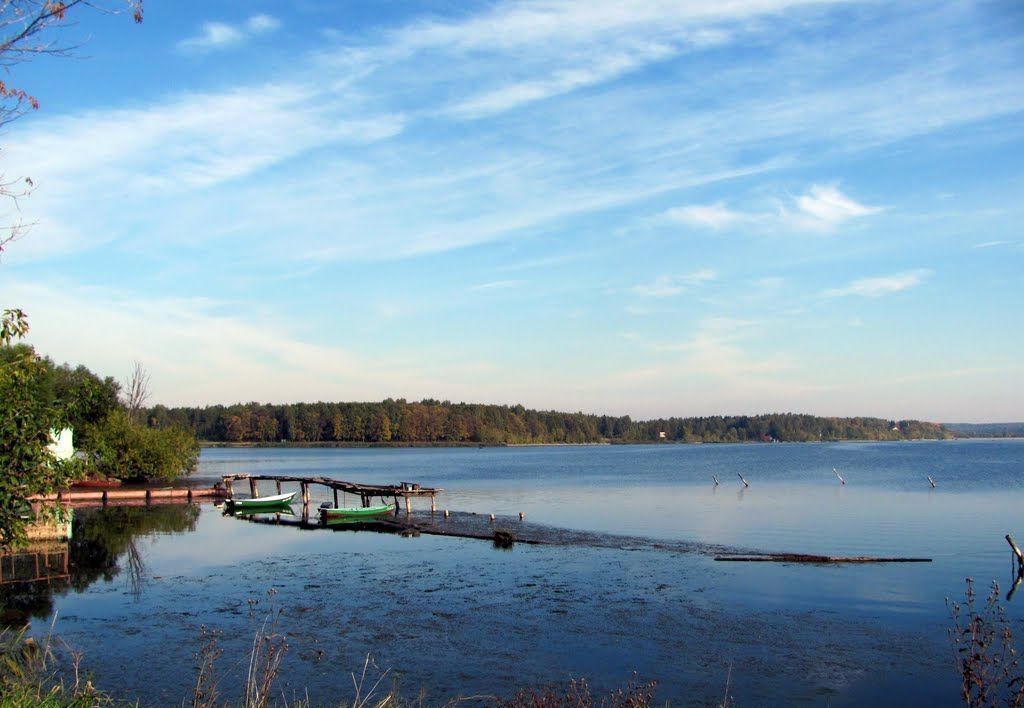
[(101, 538)]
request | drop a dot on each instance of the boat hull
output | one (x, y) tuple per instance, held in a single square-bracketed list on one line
[(272, 502), (354, 514)]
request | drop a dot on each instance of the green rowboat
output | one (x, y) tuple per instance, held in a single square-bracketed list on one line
[(354, 514), (260, 503)]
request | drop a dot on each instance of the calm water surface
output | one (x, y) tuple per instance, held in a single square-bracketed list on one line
[(458, 617)]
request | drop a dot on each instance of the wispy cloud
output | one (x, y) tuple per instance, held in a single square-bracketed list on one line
[(213, 36), (820, 208), (995, 244), (714, 216), (496, 285), (669, 285), (881, 285)]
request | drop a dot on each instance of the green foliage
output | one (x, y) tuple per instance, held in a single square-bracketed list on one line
[(86, 398), (27, 416), (446, 423), (125, 450)]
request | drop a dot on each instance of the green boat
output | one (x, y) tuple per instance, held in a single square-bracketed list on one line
[(260, 503), (337, 515)]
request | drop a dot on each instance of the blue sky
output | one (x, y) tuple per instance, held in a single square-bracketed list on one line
[(653, 208)]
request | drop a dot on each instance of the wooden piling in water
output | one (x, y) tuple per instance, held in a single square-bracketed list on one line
[(254, 490), (1016, 550)]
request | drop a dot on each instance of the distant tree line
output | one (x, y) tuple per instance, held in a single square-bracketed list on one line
[(445, 423), (987, 430)]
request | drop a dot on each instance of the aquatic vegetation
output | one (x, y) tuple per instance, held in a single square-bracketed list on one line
[(29, 677), (577, 694), (987, 661)]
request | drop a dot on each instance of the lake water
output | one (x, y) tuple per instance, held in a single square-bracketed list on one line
[(455, 616)]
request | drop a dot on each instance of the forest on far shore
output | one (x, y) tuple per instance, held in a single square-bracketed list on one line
[(445, 423)]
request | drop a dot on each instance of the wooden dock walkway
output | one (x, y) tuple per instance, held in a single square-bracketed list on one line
[(129, 497), (366, 492)]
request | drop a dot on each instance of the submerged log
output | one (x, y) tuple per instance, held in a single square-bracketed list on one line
[(807, 558)]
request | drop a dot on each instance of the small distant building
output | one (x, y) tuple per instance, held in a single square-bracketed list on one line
[(661, 435), (62, 445)]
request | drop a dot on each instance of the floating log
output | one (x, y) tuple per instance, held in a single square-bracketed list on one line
[(806, 558)]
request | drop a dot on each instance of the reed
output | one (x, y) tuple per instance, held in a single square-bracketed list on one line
[(28, 677), (986, 659)]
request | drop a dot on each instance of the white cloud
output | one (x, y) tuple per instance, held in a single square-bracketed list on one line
[(824, 207), (715, 216), (881, 285), (258, 24), (821, 208), (496, 285), (213, 36), (669, 285)]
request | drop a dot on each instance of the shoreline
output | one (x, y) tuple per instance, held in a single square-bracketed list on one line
[(211, 444)]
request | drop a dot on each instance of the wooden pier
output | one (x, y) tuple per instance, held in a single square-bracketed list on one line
[(38, 561), (129, 497), (404, 491)]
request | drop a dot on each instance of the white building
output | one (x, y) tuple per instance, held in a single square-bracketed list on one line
[(62, 445)]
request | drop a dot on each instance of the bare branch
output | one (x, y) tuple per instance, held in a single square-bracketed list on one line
[(137, 392)]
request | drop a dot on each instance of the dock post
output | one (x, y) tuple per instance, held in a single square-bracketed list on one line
[(104, 497), (433, 504), (408, 506), (253, 489), (1016, 551), (149, 496), (278, 486), (396, 505), (229, 483), (335, 497), (305, 494)]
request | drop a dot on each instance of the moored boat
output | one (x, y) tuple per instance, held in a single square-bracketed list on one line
[(96, 483), (353, 514), (272, 502)]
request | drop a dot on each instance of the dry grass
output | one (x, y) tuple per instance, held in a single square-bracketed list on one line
[(29, 679), (986, 659), (577, 695)]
